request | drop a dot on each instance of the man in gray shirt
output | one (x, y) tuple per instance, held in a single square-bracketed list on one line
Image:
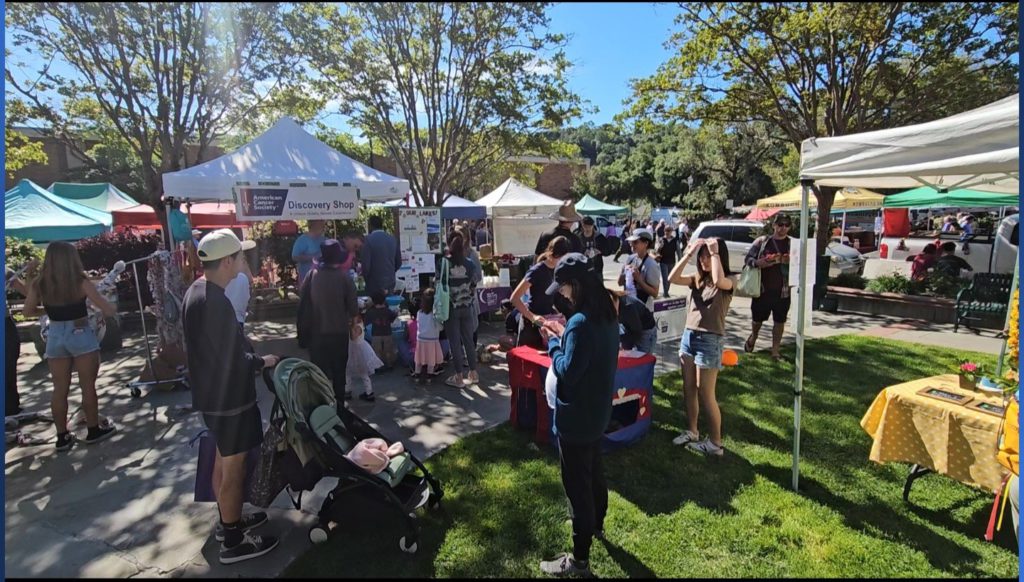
[(381, 258)]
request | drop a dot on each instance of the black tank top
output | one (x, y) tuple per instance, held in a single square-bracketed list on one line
[(68, 312)]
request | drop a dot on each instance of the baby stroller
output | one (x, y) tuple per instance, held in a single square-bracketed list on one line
[(321, 435)]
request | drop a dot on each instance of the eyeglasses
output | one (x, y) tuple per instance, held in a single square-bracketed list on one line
[(784, 224)]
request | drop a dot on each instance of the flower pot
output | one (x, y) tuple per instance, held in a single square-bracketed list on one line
[(966, 382)]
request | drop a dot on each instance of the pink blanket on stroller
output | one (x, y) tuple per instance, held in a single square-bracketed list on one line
[(374, 454)]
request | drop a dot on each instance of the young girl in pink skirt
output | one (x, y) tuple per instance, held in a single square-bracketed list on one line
[(428, 343)]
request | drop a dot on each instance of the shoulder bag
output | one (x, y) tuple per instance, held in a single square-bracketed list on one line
[(442, 295), (750, 279)]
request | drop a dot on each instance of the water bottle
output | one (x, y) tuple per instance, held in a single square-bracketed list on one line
[(630, 283)]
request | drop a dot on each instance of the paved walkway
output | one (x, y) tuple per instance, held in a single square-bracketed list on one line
[(124, 507)]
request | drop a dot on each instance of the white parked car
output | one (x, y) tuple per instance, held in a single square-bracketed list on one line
[(739, 236)]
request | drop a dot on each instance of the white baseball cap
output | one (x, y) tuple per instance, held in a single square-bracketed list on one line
[(221, 243)]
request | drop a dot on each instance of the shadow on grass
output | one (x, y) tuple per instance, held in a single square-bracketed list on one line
[(629, 563)]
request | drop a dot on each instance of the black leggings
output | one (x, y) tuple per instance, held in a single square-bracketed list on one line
[(12, 343), (329, 352), (585, 486)]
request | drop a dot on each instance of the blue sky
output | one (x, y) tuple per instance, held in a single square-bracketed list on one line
[(612, 43)]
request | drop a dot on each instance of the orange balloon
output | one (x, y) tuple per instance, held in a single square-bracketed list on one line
[(730, 358)]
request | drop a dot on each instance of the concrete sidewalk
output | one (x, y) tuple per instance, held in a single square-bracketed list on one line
[(124, 508)]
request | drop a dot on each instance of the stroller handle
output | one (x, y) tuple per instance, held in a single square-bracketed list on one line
[(268, 378)]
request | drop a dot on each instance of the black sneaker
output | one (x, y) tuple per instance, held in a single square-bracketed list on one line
[(65, 441), (100, 434), (252, 546), (367, 397), (249, 522)]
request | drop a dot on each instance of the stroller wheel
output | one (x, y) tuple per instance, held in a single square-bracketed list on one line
[(407, 549), (434, 502), (317, 534)]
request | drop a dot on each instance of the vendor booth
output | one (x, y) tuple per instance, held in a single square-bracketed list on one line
[(101, 196), (453, 208), (283, 154), (632, 402), (204, 215), (590, 206), (975, 150), (40, 215), (520, 214)]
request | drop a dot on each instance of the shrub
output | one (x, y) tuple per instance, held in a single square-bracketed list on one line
[(895, 283), (19, 251), (850, 280), (99, 253), (943, 285)]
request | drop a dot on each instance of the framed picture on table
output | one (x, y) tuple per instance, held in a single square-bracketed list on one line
[(945, 395), (988, 408)]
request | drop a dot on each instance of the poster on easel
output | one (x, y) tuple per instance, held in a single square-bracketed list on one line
[(419, 230), (793, 270)]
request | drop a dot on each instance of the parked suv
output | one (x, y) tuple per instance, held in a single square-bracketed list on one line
[(739, 236)]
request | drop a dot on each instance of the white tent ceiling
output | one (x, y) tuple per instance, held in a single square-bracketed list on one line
[(283, 153), (977, 149), (513, 198)]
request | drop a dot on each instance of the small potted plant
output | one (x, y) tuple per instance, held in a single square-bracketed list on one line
[(969, 373)]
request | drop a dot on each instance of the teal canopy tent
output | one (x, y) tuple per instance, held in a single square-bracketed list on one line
[(40, 215), (102, 196), (593, 207), (927, 197)]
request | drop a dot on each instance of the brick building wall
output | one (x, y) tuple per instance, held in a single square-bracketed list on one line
[(61, 161), (556, 179)]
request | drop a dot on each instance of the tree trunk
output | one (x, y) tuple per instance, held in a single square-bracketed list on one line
[(825, 195)]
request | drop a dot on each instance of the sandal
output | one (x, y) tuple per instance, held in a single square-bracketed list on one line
[(455, 381), (748, 346)]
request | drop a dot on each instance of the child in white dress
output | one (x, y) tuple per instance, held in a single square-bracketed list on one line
[(362, 360), (428, 353)]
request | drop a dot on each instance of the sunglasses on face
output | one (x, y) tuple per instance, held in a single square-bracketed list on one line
[(784, 224)]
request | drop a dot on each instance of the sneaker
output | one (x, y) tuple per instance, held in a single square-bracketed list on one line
[(473, 377), (684, 438), (367, 397), (249, 522), (565, 565), (706, 447), (100, 434), (252, 546), (65, 441)]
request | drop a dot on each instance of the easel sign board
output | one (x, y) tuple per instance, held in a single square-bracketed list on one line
[(794, 278), (670, 318), (299, 200), (419, 230)]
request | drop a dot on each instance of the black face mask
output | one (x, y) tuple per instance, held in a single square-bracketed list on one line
[(563, 305)]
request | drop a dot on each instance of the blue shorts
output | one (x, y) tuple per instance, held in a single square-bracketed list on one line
[(68, 339), (704, 347)]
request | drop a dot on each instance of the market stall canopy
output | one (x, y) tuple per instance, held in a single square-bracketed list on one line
[(847, 200), (589, 205), (925, 197), (762, 213), (513, 198), (40, 215), (283, 153), (977, 149), (454, 207), (102, 196), (206, 215)]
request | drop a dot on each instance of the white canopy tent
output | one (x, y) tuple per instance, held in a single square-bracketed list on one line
[(977, 149), (520, 215), (285, 152)]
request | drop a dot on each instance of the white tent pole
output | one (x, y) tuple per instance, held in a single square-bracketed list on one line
[(843, 233), (801, 318)]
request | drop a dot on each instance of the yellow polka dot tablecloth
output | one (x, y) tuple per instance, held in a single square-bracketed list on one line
[(946, 437)]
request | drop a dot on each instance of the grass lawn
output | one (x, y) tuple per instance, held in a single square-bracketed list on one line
[(676, 514)]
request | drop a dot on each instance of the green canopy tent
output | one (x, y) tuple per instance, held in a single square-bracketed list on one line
[(590, 206), (40, 215), (101, 196), (927, 197)]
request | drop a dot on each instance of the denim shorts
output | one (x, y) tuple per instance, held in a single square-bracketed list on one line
[(704, 347), (68, 339)]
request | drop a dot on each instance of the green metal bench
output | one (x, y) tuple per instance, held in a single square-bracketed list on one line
[(987, 297)]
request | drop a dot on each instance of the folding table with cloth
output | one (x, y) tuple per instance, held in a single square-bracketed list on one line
[(632, 401), (954, 439)]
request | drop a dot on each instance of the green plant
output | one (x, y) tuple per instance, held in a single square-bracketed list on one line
[(895, 283), (972, 370), (943, 285), (19, 251), (99, 253), (849, 280)]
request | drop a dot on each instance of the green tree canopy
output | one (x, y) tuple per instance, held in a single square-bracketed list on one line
[(450, 89)]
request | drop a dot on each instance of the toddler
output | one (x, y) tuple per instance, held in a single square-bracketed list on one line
[(362, 361), (428, 343)]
